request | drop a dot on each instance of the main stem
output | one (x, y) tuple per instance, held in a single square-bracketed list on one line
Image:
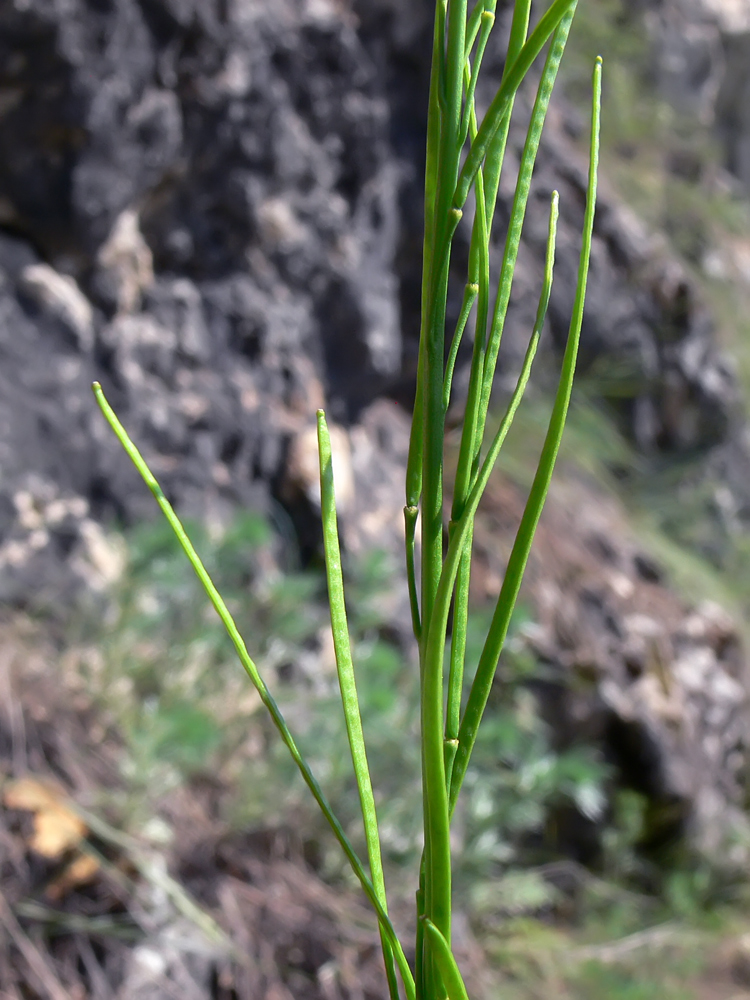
[(437, 896)]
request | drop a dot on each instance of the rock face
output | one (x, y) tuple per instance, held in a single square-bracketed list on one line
[(215, 209), (200, 209), (704, 68), (660, 687)]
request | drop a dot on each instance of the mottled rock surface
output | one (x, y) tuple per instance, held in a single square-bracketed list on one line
[(704, 68), (660, 686)]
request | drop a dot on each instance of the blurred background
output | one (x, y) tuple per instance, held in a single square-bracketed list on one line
[(214, 207)]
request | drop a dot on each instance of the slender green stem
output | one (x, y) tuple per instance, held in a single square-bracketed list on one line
[(486, 25), (480, 688), (458, 644), (419, 965), (446, 220), (474, 22), (252, 672), (470, 294), (437, 896), (414, 464), (411, 515), (347, 683)]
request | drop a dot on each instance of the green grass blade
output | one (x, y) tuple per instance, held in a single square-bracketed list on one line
[(519, 555), (499, 106), (347, 683), (265, 695), (446, 963)]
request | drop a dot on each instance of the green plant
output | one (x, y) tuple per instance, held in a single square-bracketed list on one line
[(463, 156)]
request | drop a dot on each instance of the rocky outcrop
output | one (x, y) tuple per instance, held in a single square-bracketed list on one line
[(216, 211), (200, 209), (659, 686), (703, 69)]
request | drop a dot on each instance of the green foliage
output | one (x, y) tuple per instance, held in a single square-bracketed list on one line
[(161, 635), (596, 980)]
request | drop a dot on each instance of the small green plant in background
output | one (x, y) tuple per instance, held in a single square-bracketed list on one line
[(464, 160)]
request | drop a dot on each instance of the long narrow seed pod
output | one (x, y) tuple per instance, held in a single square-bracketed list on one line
[(347, 682), (481, 381), (457, 544), (519, 555), (265, 695), (518, 209), (485, 187)]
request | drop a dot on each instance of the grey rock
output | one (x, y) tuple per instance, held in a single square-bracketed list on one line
[(58, 297), (703, 51)]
